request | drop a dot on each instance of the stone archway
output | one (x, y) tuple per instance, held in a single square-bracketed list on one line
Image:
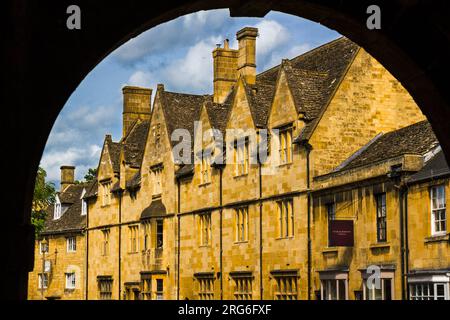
[(43, 62)]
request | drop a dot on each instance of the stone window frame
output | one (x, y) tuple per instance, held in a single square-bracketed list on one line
[(205, 228), (43, 279), (381, 217), (438, 208), (71, 244), (241, 224), (71, 280), (286, 218)]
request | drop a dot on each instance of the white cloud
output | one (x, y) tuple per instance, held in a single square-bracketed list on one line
[(276, 56), (141, 79), (82, 157)]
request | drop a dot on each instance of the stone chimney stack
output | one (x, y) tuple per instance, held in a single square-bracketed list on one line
[(247, 53), (225, 71), (136, 105), (67, 176)]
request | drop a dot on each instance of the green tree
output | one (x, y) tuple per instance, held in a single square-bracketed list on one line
[(44, 195), (91, 175)]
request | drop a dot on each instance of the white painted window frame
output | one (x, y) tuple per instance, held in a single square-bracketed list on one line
[(434, 211)]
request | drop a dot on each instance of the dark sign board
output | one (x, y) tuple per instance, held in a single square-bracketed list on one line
[(341, 233)]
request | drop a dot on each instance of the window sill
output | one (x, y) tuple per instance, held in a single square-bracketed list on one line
[(132, 253), (330, 250), (285, 165), (438, 238), (156, 196), (205, 184), (380, 245), (204, 246), (241, 176), (241, 242), (285, 238), (105, 205)]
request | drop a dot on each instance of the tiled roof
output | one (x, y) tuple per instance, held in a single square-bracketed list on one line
[(71, 219), (114, 152), (181, 110), (436, 167), (414, 139), (134, 144)]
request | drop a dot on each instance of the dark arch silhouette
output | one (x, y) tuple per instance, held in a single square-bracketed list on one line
[(43, 62)]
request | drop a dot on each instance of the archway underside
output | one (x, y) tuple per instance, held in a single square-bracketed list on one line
[(43, 62)]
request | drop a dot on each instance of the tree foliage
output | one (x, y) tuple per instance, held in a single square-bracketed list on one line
[(44, 195), (91, 175)]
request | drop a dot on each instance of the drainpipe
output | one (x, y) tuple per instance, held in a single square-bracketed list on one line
[(406, 241), (120, 243), (221, 234), (402, 242), (260, 230), (178, 238), (308, 186)]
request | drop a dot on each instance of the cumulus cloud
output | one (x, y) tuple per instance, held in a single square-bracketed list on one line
[(179, 33)]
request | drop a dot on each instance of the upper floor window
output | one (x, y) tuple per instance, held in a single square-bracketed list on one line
[(286, 218), (105, 242), (241, 157), (438, 210), (285, 149), (133, 235), (71, 244), (205, 228), (70, 280), (241, 223), (157, 182), (381, 217), (57, 212), (206, 168), (146, 227), (106, 193), (159, 234)]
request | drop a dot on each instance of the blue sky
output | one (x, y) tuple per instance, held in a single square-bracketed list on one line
[(177, 54)]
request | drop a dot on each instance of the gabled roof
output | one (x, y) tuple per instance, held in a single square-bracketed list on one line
[(114, 152), (71, 219), (134, 143), (180, 110), (436, 167), (415, 139)]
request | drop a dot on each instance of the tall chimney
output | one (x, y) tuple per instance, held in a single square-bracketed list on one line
[(67, 176), (225, 71), (136, 105), (247, 53)]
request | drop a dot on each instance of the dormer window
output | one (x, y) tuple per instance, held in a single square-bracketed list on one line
[(157, 180), (206, 168), (285, 147), (57, 211)]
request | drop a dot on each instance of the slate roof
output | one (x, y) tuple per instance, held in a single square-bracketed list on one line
[(416, 139), (71, 219), (436, 167), (134, 143), (114, 153)]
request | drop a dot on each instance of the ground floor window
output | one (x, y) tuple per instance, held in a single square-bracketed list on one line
[(243, 287), (380, 291), (429, 291), (70, 280), (286, 287), (43, 281), (105, 288), (334, 286), (159, 289), (205, 287), (147, 289)]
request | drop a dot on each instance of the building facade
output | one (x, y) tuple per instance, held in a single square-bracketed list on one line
[(60, 249), (240, 209)]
